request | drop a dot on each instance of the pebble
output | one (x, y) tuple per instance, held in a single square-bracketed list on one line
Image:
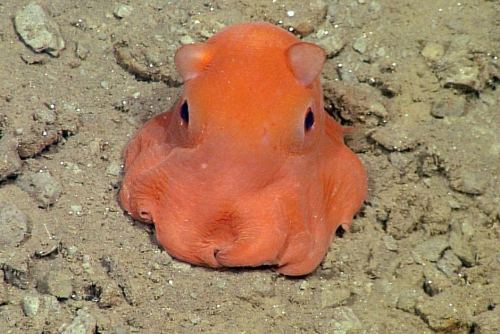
[(57, 284), (186, 39), (435, 281), (14, 225), (104, 84), (16, 273), (46, 116), (30, 305), (488, 322), (360, 44), (42, 186), (407, 300), (431, 249), (10, 162), (433, 51), (332, 45), (463, 77), (122, 11), (449, 107), (468, 181), (38, 30), (82, 51), (83, 323), (390, 243), (461, 245), (394, 139), (445, 312), (449, 264), (114, 169), (332, 297), (345, 321), (263, 286), (181, 266)]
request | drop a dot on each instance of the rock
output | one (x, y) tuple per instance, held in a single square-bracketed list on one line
[(16, 274), (38, 31), (10, 162), (30, 305), (394, 138), (122, 11), (57, 284), (433, 51), (447, 312), (449, 264), (452, 107), (263, 286), (407, 300), (114, 169), (82, 51), (83, 323), (181, 266), (46, 116), (332, 297), (390, 243), (462, 76), (461, 245), (487, 322), (332, 44), (15, 226), (431, 249), (34, 143), (468, 181), (435, 281), (344, 321), (43, 187), (360, 44)]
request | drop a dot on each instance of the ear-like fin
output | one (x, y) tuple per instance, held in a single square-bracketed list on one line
[(306, 61), (191, 59)]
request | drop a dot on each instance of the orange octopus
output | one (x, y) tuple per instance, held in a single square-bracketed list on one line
[(246, 169)]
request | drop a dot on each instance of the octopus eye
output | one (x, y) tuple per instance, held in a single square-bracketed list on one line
[(185, 112), (309, 120)]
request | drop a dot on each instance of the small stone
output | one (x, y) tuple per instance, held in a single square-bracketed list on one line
[(76, 208), (102, 36), (304, 28), (114, 169), (16, 274), (38, 31), (104, 84), (407, 300), (57, 284), (30, 305), (186, 39), (83, 323), (394, 139), (431, 249), (10, 162), (435, 281), (122, 11), (46, 116), (264, 287), (453, 107), (345, 321), (390, 243), (14, 225), (468, 181), (181, 266), (433, 51), (43, 187), (449, 264), (487, 322), (461, 245), (332, 45), (81, 51), (333, 297), (360, 44), (162, 258), (462, 77)]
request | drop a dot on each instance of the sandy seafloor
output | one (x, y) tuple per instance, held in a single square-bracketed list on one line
[(417, 79)]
